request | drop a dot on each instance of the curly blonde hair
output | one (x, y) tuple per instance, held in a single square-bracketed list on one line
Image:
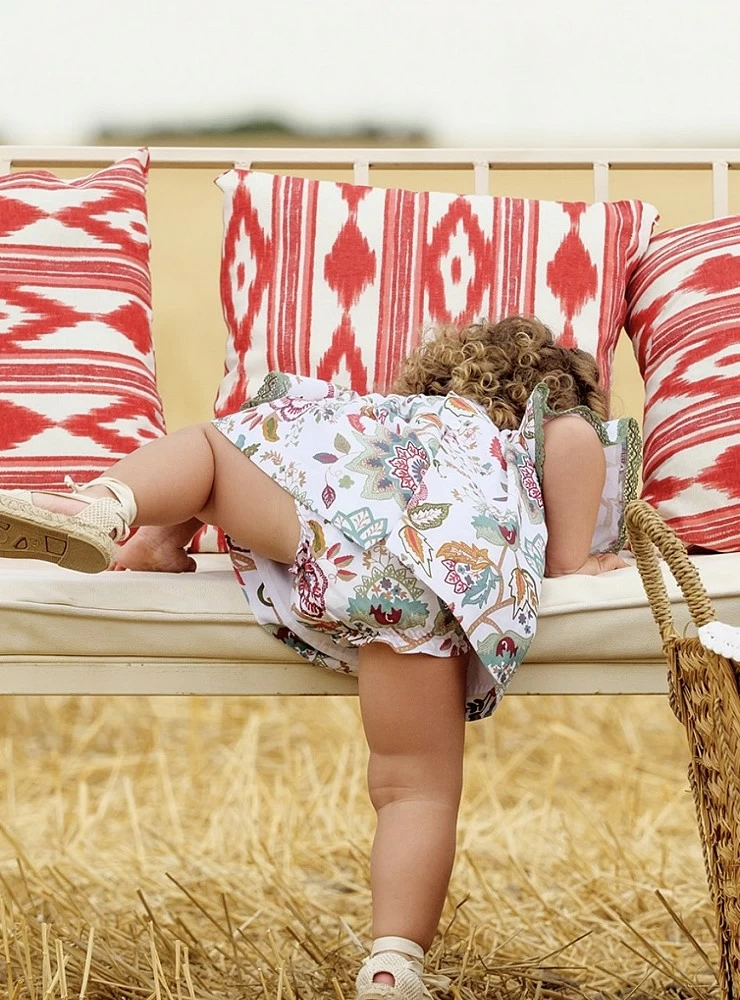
[(499, 364)]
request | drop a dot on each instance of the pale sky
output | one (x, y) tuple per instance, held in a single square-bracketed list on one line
[(478, 72)]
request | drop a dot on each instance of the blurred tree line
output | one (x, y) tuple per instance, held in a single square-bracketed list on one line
[(264, 130)]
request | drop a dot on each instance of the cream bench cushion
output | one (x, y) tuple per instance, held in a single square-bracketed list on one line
[(194, 633)]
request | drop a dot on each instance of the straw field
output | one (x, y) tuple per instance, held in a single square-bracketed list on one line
[(218, 848)]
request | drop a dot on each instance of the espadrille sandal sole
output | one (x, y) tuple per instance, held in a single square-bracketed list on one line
[(380, 991), (30, 532)]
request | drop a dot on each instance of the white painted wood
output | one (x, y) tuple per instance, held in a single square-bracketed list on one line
[(115, 676), (111, 676), (604, 677), (481, 174), (601, 181), (5, 166), (361, 172), (720, 189), (220, 156)]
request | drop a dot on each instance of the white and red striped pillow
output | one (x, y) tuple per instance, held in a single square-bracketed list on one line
[(338, 281), (684, 322), (77, 378)]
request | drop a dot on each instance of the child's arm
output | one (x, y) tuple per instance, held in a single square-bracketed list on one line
[(572, 483)]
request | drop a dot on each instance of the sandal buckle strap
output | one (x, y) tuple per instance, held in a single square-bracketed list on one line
[(404, 945), (105, 512)]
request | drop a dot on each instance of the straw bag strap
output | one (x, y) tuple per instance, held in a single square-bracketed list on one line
[(646, 529)]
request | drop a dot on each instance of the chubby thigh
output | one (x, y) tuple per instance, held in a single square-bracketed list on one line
[(248, 505)]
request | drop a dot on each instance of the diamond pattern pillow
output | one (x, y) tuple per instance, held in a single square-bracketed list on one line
[(684, 322), (338, 281), (77, 378)]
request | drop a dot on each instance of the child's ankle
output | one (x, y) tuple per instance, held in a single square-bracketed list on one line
[(100, 493)]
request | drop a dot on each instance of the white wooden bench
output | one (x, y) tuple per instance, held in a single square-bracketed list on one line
[(123, 633)]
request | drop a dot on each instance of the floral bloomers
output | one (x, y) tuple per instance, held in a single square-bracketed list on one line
[(422, 524)]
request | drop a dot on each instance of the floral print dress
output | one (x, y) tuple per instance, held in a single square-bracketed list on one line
[(422, 523)]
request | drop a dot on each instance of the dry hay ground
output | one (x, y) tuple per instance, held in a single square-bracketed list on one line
[(196, 848)]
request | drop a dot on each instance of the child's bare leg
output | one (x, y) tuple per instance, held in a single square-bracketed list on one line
[(413, 711), (197, 472)]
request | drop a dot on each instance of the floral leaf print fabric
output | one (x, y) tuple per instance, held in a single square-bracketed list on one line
[(422, 524)]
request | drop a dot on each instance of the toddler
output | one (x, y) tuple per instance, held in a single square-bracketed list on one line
[(402, 536)]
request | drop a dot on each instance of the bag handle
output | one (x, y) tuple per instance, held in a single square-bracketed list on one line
[(647, 529)]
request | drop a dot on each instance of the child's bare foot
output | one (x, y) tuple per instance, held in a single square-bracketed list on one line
[(157, 550)]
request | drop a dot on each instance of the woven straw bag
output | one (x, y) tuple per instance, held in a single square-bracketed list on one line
[(703, 677)]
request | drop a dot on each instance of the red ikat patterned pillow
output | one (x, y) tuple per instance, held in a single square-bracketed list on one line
[(684, 322), (338, 281), (77, 378)]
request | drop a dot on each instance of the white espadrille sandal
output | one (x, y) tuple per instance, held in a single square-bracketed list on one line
[(84, 542), (402, 959)]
